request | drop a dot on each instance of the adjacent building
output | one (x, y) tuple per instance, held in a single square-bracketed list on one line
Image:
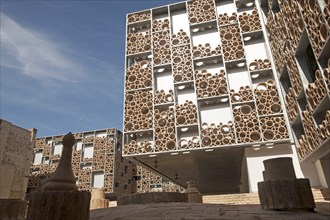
[(300, 43), (214, 87), (15, 158), (97, 163), (16, 145)]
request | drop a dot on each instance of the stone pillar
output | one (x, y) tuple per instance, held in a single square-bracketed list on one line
[(63, 178), (194, 196), (279, 168), (60, 198), (98, 200), (280, 189)]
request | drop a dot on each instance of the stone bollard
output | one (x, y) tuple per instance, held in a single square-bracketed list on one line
[(280, 189), (279, 168), (60, 198), (194, 196), (98, 200)]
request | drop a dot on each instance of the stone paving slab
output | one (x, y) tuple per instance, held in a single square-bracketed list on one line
[(195, 211)]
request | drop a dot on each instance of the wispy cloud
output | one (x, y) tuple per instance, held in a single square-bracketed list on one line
[(40, 68), (34, 55)]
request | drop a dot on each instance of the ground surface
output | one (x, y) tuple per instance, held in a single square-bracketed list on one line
[(190, 211)]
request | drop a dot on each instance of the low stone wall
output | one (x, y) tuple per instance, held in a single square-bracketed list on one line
[(241, 198), (152, 197), (322, 194), (12, 209), (232, 199), (112, 203)]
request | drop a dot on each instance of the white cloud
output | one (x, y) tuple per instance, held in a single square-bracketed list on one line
[(34, 55)]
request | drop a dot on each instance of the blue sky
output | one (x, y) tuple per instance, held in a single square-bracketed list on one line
[(62, 63)]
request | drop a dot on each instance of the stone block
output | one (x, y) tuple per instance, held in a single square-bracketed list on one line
[(59, 205), (99, 204), (98, 200), (286, 194)]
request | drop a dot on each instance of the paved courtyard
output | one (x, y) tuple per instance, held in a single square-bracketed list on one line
[(189, 211)]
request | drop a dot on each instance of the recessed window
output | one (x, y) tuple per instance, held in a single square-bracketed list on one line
[(98, 180), (37, 158)]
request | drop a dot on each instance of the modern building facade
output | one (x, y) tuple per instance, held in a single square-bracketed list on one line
[(214, 87), (96, 163), (300, 43)]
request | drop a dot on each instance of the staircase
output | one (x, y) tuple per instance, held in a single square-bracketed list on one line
[(321, 194), (232, 199)]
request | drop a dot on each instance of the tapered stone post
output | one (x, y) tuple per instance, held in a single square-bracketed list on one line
[(60, 198), (194, 196)]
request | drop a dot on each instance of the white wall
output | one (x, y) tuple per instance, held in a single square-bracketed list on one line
[(180, 21), (101, 134), (257, 50), (58, 149), (164, 81), (186, 95), (187, 133), (326, 170), (320, 173), (79, 145), (88, 151), (226, 7), (86, 166), (140, 138), (238, 79), (310, 172), (216, 114), (211, 68), (212, 37), (47, 161), (37, 158), (98, 180)]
